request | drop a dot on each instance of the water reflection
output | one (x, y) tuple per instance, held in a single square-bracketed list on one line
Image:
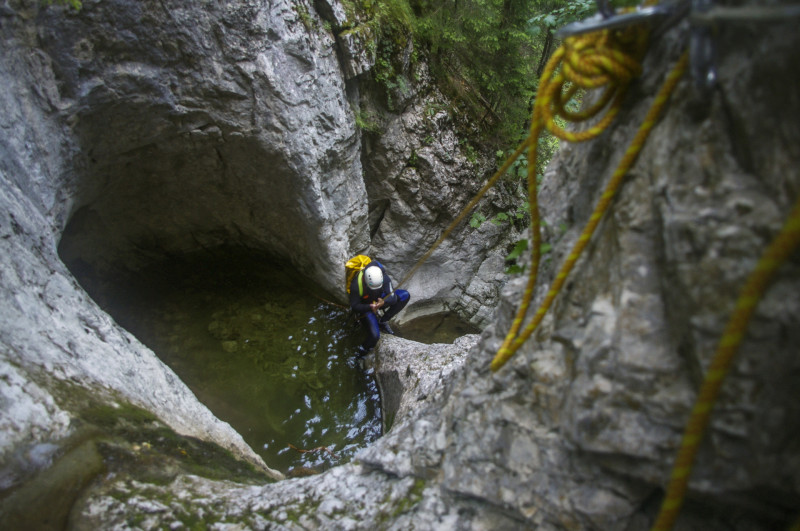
[(264, 356)]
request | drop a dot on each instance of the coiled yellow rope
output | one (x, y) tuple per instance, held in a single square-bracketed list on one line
[(611, 59), (606, 58), (776, 254), (618, 69), (588, 62)]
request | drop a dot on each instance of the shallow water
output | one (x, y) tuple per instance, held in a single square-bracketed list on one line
[(275, 362), (436, 328)]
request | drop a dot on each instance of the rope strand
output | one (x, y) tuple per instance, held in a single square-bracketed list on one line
[(514, 339), (773, 257), (486, 187), (611, 59)]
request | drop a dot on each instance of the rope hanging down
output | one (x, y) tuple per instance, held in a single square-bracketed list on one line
[(776, 254), (592, 61), (609, 58)]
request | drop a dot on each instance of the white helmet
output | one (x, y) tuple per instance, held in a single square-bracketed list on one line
[(374, 277)]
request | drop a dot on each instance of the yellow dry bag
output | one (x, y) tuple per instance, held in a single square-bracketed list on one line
[(353, 266)]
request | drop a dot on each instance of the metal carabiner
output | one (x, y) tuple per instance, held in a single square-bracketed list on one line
[(661, 17), (705, 18), (702, 50)]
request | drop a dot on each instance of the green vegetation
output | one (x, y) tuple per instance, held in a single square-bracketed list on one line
[(133, 441), (386, 27), (303, 14), (512, 266), (513, 215), (558, 14), (111, 443), (518, 216), (396, 508), (412, 498), (366, 121), (484, 57), (75, 4)]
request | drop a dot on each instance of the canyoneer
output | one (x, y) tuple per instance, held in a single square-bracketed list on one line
[(373, 298)]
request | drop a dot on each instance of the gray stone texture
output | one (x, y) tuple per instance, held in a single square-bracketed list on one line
[(168, 127), (206, 125), (138, 130), (418, 177)]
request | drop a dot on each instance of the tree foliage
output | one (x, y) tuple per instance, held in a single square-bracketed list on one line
[(490, 53), (559, 14), (486, 55), (389, 25)]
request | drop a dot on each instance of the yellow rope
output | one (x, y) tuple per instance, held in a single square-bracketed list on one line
[(611, 59), (491, 182), (614, 63), (775, 254), (594, 60)]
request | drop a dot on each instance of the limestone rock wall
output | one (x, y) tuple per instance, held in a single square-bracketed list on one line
[(419, 173), (199, 127), (53, 335), (132, 131), (579, 430), (418, 178)]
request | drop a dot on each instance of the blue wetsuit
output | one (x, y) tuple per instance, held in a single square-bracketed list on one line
[(361, 296)]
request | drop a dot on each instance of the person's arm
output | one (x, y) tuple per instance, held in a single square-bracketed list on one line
[(355, 301), (390, 298)]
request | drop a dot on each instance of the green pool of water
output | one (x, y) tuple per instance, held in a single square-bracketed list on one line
[(261, 352), (442, 327)]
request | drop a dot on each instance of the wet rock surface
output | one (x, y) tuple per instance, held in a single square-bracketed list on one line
[(202, 127), (135, 131), (578, 431), (411, 374), (418, 178)]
